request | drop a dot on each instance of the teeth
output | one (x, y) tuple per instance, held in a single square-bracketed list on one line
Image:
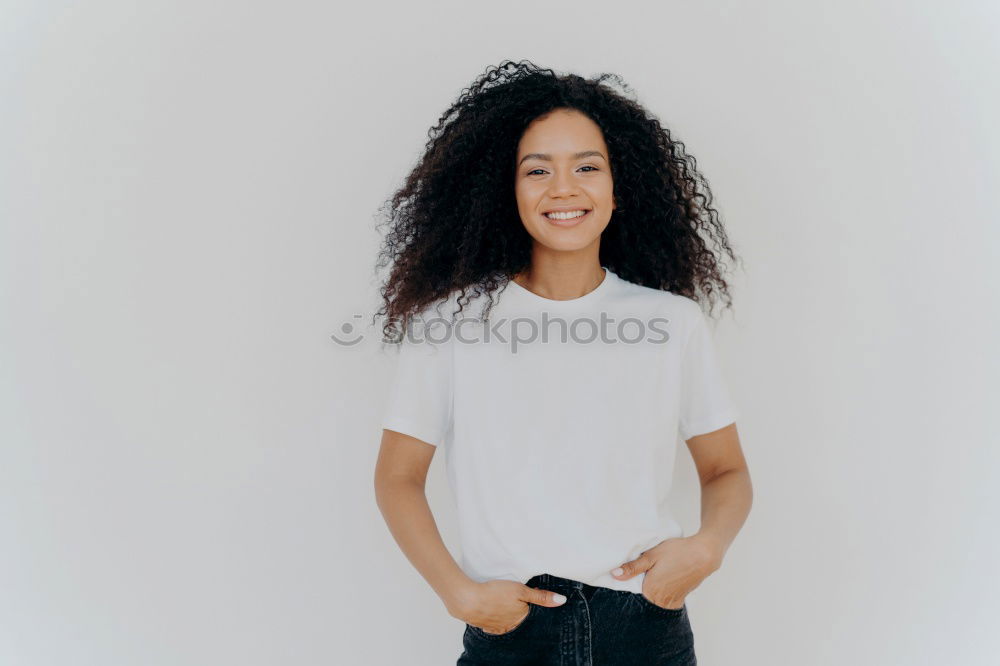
[(568, 215)]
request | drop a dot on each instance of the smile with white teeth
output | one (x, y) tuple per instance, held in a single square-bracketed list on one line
[(568, 215)]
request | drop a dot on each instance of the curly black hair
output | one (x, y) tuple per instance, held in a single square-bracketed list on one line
[(454, 224)]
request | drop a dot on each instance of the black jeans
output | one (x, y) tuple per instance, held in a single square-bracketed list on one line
[(596, 626)]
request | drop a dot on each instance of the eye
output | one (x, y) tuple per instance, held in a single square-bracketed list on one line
[(586, 166)]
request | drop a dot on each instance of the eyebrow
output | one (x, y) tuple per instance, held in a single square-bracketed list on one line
[(548, 158)]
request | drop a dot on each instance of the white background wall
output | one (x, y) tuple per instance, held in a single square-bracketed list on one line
[(187, 199)]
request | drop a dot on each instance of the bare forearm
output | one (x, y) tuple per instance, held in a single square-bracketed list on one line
[(725, 505), (408, 515)]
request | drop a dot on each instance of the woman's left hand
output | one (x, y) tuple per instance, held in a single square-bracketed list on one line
[(673, 568)]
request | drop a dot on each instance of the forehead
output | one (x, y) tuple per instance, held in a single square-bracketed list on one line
[(561, 132)]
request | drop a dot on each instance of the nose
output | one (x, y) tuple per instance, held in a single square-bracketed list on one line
[(562, 184)]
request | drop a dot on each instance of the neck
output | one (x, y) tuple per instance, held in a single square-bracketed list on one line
[(562, 276)]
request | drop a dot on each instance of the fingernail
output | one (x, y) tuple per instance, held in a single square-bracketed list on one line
[(558, 598), (618, 572)]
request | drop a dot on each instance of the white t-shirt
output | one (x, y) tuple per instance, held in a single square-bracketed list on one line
[(559, 450)]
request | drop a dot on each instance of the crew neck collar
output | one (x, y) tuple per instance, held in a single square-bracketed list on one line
[(605, 285)]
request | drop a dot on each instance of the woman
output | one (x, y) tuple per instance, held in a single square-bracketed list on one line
[(556, 199)]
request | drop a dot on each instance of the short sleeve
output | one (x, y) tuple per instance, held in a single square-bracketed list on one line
[(706, 404), (419, 402)]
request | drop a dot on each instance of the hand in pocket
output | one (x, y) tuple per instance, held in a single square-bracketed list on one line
[(500, 606)]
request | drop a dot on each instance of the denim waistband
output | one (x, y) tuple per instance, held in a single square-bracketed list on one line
[(557, 583)]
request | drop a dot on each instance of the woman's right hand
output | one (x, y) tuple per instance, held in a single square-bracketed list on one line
[(499, 606)]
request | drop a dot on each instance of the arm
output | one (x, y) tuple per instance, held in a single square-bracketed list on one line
[(726, 490), (400, 475)]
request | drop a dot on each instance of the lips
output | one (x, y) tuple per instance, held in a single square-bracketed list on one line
[(572, 222)]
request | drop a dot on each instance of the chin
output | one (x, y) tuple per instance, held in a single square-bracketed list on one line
[(565, 242)]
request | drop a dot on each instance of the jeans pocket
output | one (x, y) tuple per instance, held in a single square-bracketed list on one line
[(652, 606), (532, 608)]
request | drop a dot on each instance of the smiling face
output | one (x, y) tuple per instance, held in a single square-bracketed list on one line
[(562, 165)]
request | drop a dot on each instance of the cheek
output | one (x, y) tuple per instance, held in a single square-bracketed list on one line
[(604, 188), (527, 196)]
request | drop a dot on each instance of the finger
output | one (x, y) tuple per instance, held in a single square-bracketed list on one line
[(632, 568), (543, 597)]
